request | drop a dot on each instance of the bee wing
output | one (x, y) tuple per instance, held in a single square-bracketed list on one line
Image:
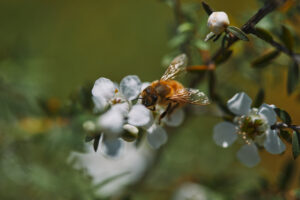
[(190, 95), (177, 66)]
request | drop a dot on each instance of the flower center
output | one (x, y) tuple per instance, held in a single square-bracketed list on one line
[(251, 126)]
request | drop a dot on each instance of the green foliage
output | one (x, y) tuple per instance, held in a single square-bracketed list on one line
[(283, 115), (293, 77), (264, 34), (296, 144), (286, 37), (238, 33), (265, 59)]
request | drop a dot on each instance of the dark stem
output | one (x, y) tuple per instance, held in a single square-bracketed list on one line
[(248, 27), (280, 125), (275, 44)]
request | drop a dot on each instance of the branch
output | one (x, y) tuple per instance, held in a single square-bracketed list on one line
[(248, 27), (275, 44)]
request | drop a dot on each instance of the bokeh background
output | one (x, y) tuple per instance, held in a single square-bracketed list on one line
[(49, 52)]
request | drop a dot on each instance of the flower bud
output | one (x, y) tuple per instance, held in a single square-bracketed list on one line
[(217, 22), (89, 126), (131, 133)]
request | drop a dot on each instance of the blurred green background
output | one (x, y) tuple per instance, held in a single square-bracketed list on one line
[(48, 49)]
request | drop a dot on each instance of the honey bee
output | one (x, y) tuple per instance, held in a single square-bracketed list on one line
[(170, 93)]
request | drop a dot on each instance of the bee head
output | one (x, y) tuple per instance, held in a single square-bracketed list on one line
[(149, 96)]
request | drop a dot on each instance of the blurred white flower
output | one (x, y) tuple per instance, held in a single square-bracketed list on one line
[(253, 126), (156, 134), (217, 22), (121, 171), (190, 191), (111, 123), (105, 92)]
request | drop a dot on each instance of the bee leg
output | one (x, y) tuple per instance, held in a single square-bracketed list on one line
[(153, 108), (165, 112), (173, 108)]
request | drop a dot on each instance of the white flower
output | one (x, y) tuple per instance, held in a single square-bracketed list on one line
[(217, 22), (122, 171), (105, 92), (112, 122), (156, 134), (253, 126)]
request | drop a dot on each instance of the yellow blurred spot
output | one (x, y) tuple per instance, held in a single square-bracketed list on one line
[(39, 125)]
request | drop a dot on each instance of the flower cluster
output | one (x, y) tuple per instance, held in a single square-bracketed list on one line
[(122, 116), (252, 126)]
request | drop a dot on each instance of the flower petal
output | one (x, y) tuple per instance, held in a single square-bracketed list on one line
[(144, 85), (104, 88), (267, 112), (139, 115), (111, 122), (273, 143), (130, 87), (157, 136), (175, 119), (100, 103), (225, 134), (123, 108), (112, 147), (240, 104), (248, 155)]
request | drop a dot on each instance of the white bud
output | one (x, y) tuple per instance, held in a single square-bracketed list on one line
[(217, 22), (89, 126), (131, 129)]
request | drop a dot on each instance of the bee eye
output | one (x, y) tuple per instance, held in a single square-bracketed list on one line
[(154, 97)]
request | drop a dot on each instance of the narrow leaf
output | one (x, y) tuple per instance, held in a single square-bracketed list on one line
[(287, 38), (207, 8), (296, 144), (293, 77), (96, 142), (209, 36), (259, 99), (283, 115), (89, 138), (286, 136), (238, 33), (264, 34), (265, 59)]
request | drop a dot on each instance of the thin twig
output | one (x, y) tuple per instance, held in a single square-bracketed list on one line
[(248, 27)]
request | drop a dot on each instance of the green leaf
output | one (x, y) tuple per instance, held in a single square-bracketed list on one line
[(296, 144), (223, 57), (265, 59), (207, 8), (185, 27), (96, 142), (89, 138), (209, 36), (238, 33), (259, 99), (286, 136), (264, 34), (293, 77), (178, 40), (283, 115), (287, 38)]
